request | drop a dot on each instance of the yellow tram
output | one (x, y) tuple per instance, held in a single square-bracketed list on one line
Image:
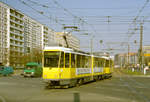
[(65, 67)]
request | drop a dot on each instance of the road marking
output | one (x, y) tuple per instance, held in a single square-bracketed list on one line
[(2, 99)]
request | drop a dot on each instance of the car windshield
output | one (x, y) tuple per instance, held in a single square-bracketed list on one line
[(51, 58), (30, 67)]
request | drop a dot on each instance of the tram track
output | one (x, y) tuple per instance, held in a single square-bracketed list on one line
[(120, 88), (137, 93), (2, 99)]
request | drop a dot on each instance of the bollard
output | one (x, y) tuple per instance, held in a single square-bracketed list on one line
[(144, 71), (146, 68), (132, 69), (76, 97)]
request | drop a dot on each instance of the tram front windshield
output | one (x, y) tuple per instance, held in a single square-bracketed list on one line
[(51, 58)]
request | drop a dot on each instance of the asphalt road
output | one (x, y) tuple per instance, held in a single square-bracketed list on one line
[(120, 88)]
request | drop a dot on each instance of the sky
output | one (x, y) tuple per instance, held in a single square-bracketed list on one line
[(110, 21)]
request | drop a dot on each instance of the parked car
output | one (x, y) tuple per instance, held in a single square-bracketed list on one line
[(32, 69), (6, 70)]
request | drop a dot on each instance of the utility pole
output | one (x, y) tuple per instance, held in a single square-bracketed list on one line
[(91, 45), (128, 54), (141, 47)]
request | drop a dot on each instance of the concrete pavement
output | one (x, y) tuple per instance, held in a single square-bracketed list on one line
[(121, 88)]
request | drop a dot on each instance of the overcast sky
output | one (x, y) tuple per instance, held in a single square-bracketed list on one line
[(106, 20)]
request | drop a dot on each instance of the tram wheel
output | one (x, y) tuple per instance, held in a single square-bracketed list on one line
[(79, 82), (66, 86)]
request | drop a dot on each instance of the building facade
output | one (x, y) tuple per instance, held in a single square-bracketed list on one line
[(32, 34), (20, 35), (4, 34), (146, 54), (126, 59), (49, 37), (67, 39), (16, 36), (12, 36)]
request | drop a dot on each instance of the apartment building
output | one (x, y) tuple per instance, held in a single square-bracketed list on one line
[(11, 36), (16, 36), (20, 34), (68, 38), (4, 34), (49, 37), (33, 32)]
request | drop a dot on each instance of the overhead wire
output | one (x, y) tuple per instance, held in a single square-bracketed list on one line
[(76, 17), (138, 15), (87, 18), (40, 12), (132, 32)]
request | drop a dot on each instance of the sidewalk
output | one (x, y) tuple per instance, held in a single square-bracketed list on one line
[(140, 75)]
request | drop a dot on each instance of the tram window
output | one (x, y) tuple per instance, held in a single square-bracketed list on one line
[(101, 63), (78, 61), (90, 62), (72, 61), (104, 63), (51, 59), (83, 62), (98, 63), (107, 63), (62, 60), (66, 60), (86, 62), (95, 62), (110, 63)]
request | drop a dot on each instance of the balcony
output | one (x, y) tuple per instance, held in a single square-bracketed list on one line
[(12, 26), (17, 45), (17, 39), (18, 17), (17, 50), (13, 21), (15, 33)]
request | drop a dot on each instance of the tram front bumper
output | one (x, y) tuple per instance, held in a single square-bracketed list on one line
[(57, 82)]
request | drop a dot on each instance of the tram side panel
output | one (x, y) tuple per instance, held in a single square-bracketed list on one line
[(107, 69), (98, 68), (83, 70), (62, 68)]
